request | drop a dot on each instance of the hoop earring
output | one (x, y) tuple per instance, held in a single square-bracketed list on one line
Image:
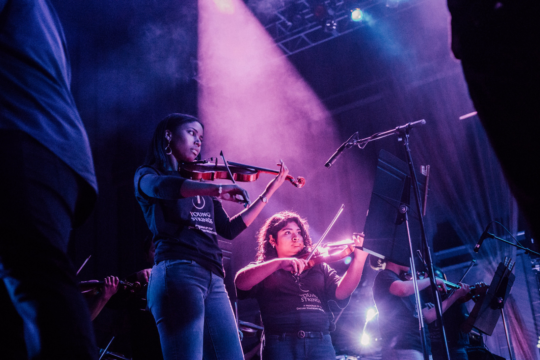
[(168, 150)]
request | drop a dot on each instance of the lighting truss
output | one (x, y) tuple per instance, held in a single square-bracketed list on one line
[(295, 28)]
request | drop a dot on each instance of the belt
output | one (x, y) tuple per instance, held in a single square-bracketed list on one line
[(300, 334)]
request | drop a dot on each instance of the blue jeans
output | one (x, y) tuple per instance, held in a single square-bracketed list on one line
[(192, 312), (293, 348)]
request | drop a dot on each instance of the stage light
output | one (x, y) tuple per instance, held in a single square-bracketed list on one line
[(225, 6), (330, 25), (365, 339), (348, 260), (371, 313), (357, 15)]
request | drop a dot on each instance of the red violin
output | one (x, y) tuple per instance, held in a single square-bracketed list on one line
[(323, 257), (207, 170)]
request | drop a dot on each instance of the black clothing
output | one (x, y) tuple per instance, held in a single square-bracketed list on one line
[(498, 42), (35, 76), (453, 317), (143, 332), (289, 303), (48, 186), (34, 233), (184, 228), (398, 319)]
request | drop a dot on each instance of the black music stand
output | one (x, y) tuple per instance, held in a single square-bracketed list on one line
[(385, 230), (392, 230), (486, 312)]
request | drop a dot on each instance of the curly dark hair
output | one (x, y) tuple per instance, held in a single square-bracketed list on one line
[(156, 152), (277, 222)]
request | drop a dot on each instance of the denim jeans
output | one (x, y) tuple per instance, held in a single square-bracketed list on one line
[(40, 303), (293, 348), (192, 312)]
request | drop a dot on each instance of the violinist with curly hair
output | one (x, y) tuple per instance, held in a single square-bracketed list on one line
[(292, 297)]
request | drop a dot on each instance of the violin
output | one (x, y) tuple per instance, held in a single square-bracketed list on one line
[(475, 291), (420, 275), (324, 257), (210, 171), (93, 284)]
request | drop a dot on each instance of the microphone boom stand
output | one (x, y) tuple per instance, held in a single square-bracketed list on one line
[(403, 131), (427, 253), (519, 246)]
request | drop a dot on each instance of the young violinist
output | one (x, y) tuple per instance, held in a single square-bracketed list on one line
[(292, 297), (453, 318), (186, 293), (396, 304)]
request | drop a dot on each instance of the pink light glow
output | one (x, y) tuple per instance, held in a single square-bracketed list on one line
[(258, 109), (250, 96)]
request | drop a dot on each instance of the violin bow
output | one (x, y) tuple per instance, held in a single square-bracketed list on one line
[(227, 167), (473, 262), (326, 232), (84, 263), (345, 242), (246, 205)]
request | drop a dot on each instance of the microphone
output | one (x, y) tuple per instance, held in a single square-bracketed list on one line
[(347, 144), (410, 125), (483, 237)]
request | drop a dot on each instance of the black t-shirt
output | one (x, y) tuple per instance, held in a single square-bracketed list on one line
[(35, 77), (398, 318), (184, 228), (453, 317), (289, 303)]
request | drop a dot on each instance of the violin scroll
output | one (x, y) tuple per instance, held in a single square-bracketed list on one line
[(299, 182)]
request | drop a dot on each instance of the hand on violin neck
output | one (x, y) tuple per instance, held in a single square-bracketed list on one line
[(441, 285), (276, 182), (110, 286)]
